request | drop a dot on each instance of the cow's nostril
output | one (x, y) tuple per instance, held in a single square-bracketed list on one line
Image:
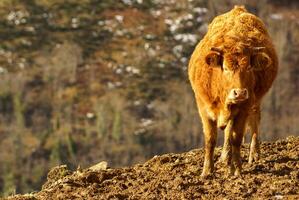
[(235, 92)]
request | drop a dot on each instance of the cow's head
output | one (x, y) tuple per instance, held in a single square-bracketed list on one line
[(238, 69)]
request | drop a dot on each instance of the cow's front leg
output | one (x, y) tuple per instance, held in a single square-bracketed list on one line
[(236, 139), (210, 134), (227, 147), (254, 153), (253, 124), (225, 117)]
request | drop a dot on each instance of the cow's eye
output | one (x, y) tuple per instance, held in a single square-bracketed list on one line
[(220, 62), (214, 60), (260, 61), (243, 61)]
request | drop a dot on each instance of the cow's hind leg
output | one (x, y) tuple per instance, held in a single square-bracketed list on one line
[(210, 134), (253, 125)]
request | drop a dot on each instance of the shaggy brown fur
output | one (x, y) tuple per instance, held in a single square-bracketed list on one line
[(236, 53)]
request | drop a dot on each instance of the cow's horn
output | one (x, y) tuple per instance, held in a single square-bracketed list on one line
[(258, 48), (217, 49)]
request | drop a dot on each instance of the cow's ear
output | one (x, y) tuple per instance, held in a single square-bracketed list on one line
[(213, 59), (260, 61)]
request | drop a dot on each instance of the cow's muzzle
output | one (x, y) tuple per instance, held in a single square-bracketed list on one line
[(237, 95)]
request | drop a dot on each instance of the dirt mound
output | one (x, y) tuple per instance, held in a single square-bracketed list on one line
[(176, 176)]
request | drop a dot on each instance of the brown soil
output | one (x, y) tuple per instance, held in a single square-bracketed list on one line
[(176, 176)]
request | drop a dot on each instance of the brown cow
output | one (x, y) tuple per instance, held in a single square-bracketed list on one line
[(230, 70)]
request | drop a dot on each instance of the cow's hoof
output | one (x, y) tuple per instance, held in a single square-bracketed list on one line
[(225, 157), (237, 172), (206, 175), (240, 176), (229, 174), (233, 173), (250, 159), (253, 157)]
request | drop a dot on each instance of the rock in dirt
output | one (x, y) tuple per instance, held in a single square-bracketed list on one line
[(100, 166)]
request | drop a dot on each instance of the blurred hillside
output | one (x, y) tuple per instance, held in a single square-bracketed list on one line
[(90, 80)]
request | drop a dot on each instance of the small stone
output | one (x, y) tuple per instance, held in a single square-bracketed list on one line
[(100, 166)]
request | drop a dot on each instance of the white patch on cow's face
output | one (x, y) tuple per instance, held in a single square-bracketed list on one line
[(226, 70)]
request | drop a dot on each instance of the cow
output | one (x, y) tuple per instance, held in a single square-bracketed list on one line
[(230, 71)]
